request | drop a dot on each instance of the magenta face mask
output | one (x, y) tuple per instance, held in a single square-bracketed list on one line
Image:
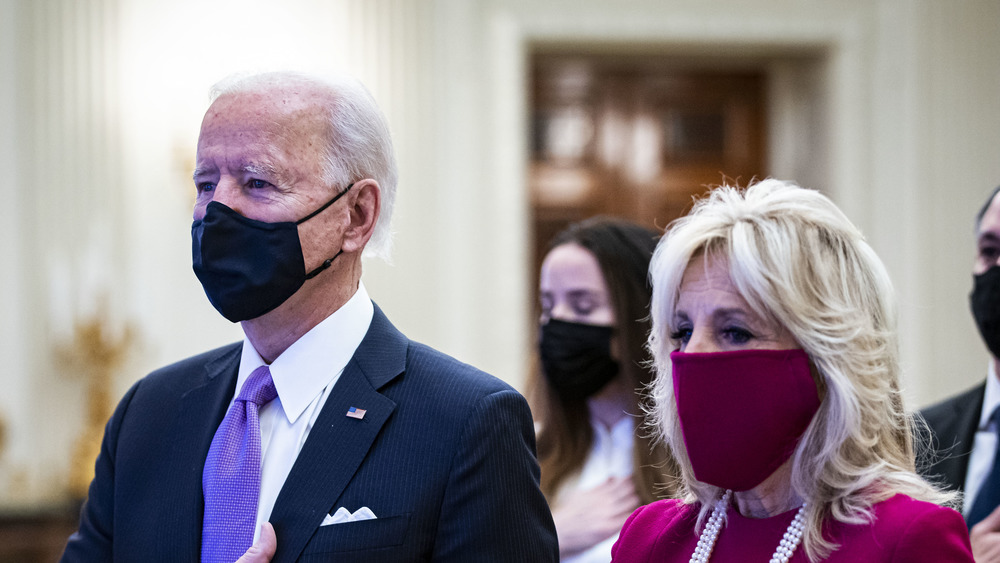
[(742, 413)]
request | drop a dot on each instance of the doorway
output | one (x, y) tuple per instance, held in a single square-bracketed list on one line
[(637, 136)]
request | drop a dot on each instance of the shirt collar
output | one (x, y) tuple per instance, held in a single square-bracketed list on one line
[(317, 358), (991, 399), (621, 431)]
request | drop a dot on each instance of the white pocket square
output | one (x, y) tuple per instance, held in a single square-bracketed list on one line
[(343, 515)]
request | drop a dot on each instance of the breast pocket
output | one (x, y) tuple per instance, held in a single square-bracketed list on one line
[(354, 536)]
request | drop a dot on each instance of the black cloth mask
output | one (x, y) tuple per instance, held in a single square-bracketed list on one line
[(249, 267), (576, 358), (985, 302)]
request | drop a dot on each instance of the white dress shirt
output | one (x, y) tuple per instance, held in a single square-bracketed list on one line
[(610, 456), (985, 445), (304, 374)]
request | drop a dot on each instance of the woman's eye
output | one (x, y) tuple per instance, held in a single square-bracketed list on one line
[(989, 253), (257, 184), (204, 187), (584, 306), (737, 335), (681, 335), (545, 304)]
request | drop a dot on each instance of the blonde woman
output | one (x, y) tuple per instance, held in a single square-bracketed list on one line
[(777, 388)]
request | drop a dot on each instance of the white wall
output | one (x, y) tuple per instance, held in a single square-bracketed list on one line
[(957, 140), (15, 411), (893, 112)]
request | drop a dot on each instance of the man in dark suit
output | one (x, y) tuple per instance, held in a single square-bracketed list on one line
[(964, 428), (326, 434)]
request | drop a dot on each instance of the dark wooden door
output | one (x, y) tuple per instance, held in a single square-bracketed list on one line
[(637, 137)]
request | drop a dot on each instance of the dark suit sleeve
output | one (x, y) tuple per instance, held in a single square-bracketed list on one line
[(93, 540), (493, 509)]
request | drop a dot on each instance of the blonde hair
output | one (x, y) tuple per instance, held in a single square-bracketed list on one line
[(797, 260)]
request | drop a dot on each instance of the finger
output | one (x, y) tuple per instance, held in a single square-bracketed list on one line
[(986, 549), (993, 520), (263, 550), (606, 492), (989, 524), (626, 496), (268, 541), (624, 509), (609, 484), (623, 490)]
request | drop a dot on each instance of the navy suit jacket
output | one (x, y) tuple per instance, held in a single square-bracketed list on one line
[(952, 423), (444, 457)]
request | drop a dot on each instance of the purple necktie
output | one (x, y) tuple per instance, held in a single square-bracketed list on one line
[(231, 480)]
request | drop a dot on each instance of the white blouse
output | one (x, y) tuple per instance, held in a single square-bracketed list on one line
[(610, 456)]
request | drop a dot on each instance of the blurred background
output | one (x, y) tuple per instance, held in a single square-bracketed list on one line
[(510, 118)]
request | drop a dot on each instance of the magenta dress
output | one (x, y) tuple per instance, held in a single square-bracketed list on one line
[(904, 531)]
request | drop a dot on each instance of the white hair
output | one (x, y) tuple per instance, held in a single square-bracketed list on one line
[(798, 261), (360, 144)]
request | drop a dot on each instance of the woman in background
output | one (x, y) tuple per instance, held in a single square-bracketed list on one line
[(596, 468), (774, 334)]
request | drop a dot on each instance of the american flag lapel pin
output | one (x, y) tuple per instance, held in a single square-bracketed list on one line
[(355, 412)]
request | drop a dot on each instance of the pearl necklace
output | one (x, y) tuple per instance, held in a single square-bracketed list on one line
[(706, 541)]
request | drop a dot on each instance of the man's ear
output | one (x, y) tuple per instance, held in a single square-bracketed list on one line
[(365, 205)]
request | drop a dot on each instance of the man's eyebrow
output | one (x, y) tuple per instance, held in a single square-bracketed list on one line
[(259, 169), (251, 169)]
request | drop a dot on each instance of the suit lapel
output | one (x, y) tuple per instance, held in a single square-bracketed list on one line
[(966, 421), (201, 410), (338, 444)]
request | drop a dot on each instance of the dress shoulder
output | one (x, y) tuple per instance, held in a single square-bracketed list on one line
[(651, 527), (906, 530), (925, 531)]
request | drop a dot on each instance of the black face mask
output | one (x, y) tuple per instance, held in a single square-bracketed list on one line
[(577, 358), (249, 267), (985, 301)]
